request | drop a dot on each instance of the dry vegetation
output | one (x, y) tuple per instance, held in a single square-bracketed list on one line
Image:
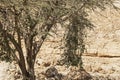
[(101, 60)]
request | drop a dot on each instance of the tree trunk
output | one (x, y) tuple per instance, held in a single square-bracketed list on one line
[(30, 73), (30, 76), (28, 69)]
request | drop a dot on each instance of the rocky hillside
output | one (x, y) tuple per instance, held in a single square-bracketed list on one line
[(105, 38)]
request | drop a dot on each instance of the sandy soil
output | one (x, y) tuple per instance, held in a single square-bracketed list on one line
[(101, 68)]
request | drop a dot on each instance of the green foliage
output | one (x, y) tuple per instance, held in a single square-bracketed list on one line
[(31, 21), (78, 22), (25, 24)]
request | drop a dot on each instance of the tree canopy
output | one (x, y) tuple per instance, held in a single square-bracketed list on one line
[(28, 22)]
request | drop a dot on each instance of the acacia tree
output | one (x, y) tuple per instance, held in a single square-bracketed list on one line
[(24, 25), (78, 23)]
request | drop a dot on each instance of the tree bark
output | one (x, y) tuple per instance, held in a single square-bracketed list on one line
[(29, 73)]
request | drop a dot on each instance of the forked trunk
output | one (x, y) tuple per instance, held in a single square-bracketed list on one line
[(30, 74), (27, 71)]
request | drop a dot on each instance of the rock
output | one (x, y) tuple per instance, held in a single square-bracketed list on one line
[(80, 74), (52, 74)]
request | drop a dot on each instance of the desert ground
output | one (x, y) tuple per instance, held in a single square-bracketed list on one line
[(100, 68)]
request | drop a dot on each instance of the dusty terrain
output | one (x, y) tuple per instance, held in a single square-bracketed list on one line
[(101, 68), (105, 68)]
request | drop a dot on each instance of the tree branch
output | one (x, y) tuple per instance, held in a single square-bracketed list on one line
[(37, 45)]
